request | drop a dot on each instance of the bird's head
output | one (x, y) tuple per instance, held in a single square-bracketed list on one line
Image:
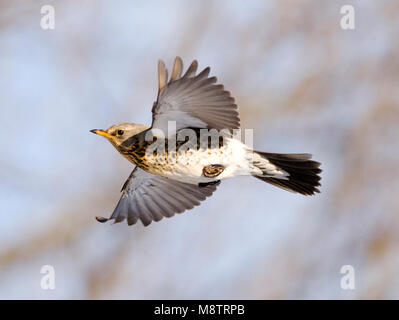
[(118, 133)]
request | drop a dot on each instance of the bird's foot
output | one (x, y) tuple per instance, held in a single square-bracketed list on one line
[(213, 170)]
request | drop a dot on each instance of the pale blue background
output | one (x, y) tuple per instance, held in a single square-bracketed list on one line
[(301, 82)]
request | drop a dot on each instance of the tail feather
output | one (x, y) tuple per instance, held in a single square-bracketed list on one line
[(303, 173)]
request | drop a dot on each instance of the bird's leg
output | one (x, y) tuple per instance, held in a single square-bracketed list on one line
[(212, 170)]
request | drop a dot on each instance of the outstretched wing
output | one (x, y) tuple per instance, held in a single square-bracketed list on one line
[(192, 100), (150, 197)]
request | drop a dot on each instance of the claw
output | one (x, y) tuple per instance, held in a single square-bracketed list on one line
[(213, 170)]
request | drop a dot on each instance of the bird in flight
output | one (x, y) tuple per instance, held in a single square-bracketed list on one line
[(176, 167)]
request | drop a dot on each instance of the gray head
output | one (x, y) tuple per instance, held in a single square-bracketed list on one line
[(118, 133)]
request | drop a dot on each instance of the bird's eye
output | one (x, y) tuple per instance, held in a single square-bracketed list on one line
[(120, 132)]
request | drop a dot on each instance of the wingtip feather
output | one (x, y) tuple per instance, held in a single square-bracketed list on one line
[(162, 75), (177, 69)]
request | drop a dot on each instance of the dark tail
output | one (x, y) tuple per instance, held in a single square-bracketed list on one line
[(303, 173)]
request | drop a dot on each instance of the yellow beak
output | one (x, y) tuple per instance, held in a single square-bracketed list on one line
[(101, 133)]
